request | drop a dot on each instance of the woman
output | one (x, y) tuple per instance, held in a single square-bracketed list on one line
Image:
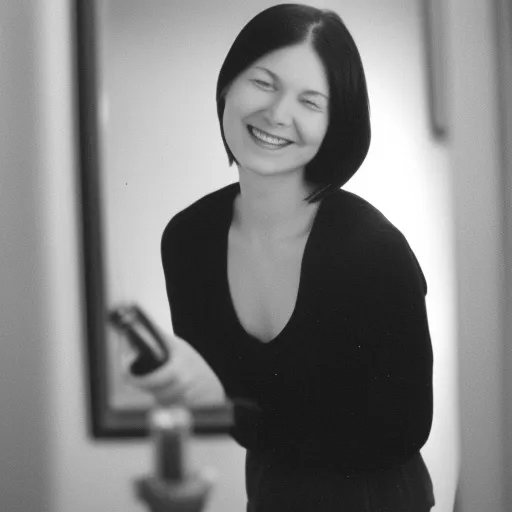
[(301, 297)]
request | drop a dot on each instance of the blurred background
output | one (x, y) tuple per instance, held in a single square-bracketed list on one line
[(449, 195)]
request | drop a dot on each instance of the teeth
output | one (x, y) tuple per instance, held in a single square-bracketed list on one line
[(268, 138)]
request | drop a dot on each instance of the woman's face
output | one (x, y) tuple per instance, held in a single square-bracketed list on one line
[(276, 111)]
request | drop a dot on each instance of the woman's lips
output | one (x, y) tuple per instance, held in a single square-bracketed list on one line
[(267, 139)]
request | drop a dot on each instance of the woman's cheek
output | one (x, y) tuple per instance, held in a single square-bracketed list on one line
[(247, 99), (314, 131)]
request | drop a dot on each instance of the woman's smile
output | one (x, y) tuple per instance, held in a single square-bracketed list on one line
[(267, 140)]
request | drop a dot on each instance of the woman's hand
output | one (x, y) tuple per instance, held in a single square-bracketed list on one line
[(186, 378)]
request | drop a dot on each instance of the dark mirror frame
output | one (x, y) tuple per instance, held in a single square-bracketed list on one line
[(103, 421)]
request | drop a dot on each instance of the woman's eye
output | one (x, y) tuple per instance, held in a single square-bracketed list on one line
[(310, 103), (262, 83)]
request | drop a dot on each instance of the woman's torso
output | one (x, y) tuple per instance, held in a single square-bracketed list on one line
[(304, 367)]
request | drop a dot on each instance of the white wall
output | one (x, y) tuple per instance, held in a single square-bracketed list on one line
[(24, 385), (46, 460), (478, 208)]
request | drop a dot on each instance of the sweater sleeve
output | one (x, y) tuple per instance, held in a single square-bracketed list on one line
[(397, 413), (180, 253), (179, 299)]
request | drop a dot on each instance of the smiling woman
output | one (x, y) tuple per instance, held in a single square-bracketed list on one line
[(305, 300), (320, 91)]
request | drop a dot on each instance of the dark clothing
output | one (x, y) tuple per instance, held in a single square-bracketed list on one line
[(344, 392), (278, 488)]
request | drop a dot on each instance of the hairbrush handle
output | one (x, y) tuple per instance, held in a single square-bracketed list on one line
[(143, 336)]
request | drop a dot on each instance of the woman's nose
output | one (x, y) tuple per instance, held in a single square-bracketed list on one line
[(280, 112)]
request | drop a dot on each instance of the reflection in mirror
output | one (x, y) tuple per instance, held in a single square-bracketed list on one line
[(130, 108), (152, 102)]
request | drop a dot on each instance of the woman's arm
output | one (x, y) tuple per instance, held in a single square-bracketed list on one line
[(397, 412)]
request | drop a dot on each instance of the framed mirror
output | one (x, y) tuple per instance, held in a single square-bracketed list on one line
[(135, 63)]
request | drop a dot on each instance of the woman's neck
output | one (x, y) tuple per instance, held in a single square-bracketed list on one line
[(272, 208)]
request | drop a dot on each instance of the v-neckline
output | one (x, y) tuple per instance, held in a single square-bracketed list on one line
[(225, 279)]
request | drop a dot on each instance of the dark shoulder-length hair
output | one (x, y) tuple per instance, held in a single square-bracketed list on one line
[(347, 139)]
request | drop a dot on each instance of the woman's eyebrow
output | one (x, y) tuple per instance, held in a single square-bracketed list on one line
[(275, 77)]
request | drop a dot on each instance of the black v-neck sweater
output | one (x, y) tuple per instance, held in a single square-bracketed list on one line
[(347, 384)]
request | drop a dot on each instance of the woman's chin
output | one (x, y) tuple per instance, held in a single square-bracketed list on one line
[(268, 169)]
